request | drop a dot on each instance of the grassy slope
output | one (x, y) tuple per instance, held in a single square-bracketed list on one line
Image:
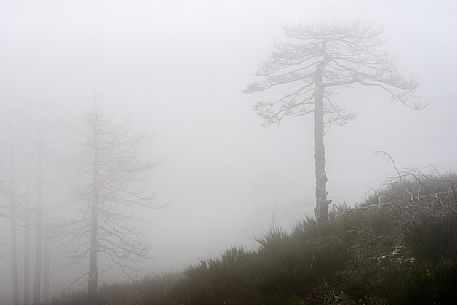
[(400, 254)]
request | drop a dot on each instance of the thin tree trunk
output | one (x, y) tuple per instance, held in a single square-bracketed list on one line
[(39, 224), (321, 209), (14, 255), (46, 265), (93, 252), (13, 215), (26, 237)]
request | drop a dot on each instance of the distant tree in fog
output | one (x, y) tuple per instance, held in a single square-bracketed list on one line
[(20, 217), (113, 174), (27, 233), (9, 212), (311, 66), (38, 218), (13, 219)]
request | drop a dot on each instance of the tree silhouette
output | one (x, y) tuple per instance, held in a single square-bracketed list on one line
[(113, 173), (316, 61)]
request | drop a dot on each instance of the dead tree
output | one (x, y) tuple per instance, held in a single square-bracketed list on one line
[(13, 220), (114, 173), (316, 61), (27, 234), (8, 211)]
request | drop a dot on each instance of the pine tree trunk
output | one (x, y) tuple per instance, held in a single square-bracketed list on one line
[(39, 225), (321, 209)]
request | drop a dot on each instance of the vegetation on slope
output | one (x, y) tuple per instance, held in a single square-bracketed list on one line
[(400, 252)]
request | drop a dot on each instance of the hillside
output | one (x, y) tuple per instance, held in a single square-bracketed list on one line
[(398, 247)]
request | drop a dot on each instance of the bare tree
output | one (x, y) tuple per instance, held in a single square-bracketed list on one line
[(315, 61), (13, 220), (9, 211), (27, 234), (113, 173), (19, 212)]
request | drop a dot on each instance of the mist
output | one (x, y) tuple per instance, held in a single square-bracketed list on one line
[(174, 72)]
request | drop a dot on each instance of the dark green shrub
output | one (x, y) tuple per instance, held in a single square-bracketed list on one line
[(433, 239)]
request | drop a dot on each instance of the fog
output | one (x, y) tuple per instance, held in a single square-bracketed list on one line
[(175, 70)]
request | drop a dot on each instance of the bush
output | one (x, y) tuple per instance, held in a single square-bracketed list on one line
[(433, 239)]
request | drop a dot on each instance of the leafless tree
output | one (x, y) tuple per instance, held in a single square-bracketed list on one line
[(27, 234), (316, 61), (113, 173), (13, 219), (9, 212), (19, 212)]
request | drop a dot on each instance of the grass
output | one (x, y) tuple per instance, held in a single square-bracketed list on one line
[(399, 254)]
